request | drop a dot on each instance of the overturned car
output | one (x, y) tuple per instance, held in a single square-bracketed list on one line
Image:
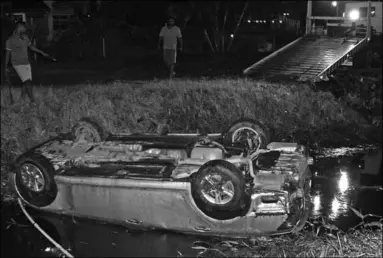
[(225, 184)]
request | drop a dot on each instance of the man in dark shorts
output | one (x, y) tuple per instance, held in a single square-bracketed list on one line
[(170, 39), (17, 51)]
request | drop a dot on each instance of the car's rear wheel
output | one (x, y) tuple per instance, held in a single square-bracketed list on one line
[(247, 132), (89, 130), (34, 180), (218, 189)]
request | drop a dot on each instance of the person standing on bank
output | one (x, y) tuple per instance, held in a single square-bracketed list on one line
[(17, 51), (170, 39)]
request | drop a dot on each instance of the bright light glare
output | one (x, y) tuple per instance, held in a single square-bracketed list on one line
[(248, 21), (232, 36), (317, 206), (354, 15), (280, 21), (343, 183), (334, 3)]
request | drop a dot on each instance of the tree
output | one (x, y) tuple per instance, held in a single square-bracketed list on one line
[(219, 20)]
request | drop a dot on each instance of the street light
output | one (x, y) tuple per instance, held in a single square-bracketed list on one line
[(354, 15), (335, 4)]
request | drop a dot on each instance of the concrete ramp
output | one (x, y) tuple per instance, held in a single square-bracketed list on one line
[(307, 58)]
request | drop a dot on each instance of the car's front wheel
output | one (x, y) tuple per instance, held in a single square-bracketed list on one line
[(34, 180), (218, 189)]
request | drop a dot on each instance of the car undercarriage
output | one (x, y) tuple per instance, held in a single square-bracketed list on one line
[(224, 182)]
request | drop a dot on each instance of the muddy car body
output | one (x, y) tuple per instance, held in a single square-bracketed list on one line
[(216, 184)]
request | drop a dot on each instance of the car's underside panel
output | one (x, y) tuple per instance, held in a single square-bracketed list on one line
[(112, 158), (146, 181)]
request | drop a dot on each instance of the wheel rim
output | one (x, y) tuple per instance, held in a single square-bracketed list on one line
[(217, 190), (32, 177), (248, 135)]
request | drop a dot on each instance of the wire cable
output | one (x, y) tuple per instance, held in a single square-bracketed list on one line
[(62, 249)]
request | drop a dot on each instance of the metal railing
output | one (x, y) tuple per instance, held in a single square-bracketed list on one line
[(263, 60), (329, 69)]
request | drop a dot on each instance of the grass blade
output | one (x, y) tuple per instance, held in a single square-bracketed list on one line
[(357, 213)]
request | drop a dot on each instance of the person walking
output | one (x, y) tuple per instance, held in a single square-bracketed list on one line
[(169, 39), (17, 51)]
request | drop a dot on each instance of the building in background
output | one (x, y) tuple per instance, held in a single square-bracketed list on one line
[(45, 17), (28, 11), (360, 10), (63, 11)]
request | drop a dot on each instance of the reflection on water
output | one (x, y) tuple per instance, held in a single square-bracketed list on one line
[(86, 238), (343, 182), (332, 195), (338, 207), (336, 188)]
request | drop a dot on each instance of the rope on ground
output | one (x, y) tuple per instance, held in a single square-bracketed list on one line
[(42, 231)]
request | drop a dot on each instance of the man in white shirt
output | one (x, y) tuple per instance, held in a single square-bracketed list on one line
[(170, 39)]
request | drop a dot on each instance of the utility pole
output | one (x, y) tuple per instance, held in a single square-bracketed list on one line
[(308, 16), (2, 60), (369, 20)]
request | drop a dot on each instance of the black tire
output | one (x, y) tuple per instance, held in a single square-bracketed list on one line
[(48, 192), (259, 128), (230, 173), (90, 130)]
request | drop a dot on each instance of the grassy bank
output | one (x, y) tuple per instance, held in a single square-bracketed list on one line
[(292, 112), (317, 239), (361, 243)]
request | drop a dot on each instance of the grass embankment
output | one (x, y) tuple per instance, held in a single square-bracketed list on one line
[(317, 239), (361, 243), (292, 112)]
